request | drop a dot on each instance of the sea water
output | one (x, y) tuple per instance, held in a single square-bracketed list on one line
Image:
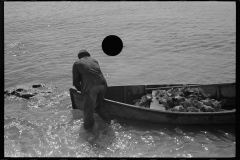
[(164, 43)]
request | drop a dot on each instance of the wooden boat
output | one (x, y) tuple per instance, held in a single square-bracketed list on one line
[(118, 103)]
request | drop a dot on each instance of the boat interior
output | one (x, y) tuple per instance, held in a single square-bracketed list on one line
[(128, 94)]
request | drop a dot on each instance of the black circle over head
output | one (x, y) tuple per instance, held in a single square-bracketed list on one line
[(112, 45), (83, 53)]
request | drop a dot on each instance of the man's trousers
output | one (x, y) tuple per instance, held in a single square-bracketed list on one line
[(93, 98)]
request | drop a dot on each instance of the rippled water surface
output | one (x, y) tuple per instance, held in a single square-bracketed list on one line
[(165, 42)]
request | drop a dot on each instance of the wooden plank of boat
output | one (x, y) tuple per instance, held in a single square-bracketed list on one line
[(118, 103)]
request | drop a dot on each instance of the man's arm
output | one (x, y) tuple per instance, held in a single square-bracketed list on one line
[(76, 77)]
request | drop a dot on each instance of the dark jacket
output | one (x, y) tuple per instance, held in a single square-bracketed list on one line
[(87, 72)]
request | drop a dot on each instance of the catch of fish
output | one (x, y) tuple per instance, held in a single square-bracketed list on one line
[(183, 99)]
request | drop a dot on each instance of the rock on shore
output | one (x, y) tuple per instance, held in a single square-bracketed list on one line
[(29, 91)]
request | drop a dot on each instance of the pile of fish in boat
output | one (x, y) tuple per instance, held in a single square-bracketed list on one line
[(183, 99)]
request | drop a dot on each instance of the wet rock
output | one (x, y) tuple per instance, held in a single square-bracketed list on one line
[(7, 93), (187, 91), (144, 101), (207, 109), (27, 92), (178, 109), (199, 105), (170, 102), (21, 90), (202, 94), (174, 91), (187, 103), (18, 93), (179, 98), (217, 105), (160, 93), (164, 102), (192, 109), (25, 95), (167, 102), (207, 102), (185, 88), (37, 85), (193, 97)]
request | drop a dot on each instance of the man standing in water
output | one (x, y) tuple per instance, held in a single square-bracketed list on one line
[(89, 80)]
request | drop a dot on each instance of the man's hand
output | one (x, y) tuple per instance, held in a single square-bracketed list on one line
[(78, 88)]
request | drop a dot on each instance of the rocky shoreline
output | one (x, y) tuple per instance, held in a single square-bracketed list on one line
[(29, 91)]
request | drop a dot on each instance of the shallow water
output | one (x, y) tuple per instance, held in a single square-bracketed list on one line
[(165, 42)]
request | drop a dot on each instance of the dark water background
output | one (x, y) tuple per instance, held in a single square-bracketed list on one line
[(165, 42)]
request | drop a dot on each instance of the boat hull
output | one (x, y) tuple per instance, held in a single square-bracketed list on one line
[(117, 109)]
